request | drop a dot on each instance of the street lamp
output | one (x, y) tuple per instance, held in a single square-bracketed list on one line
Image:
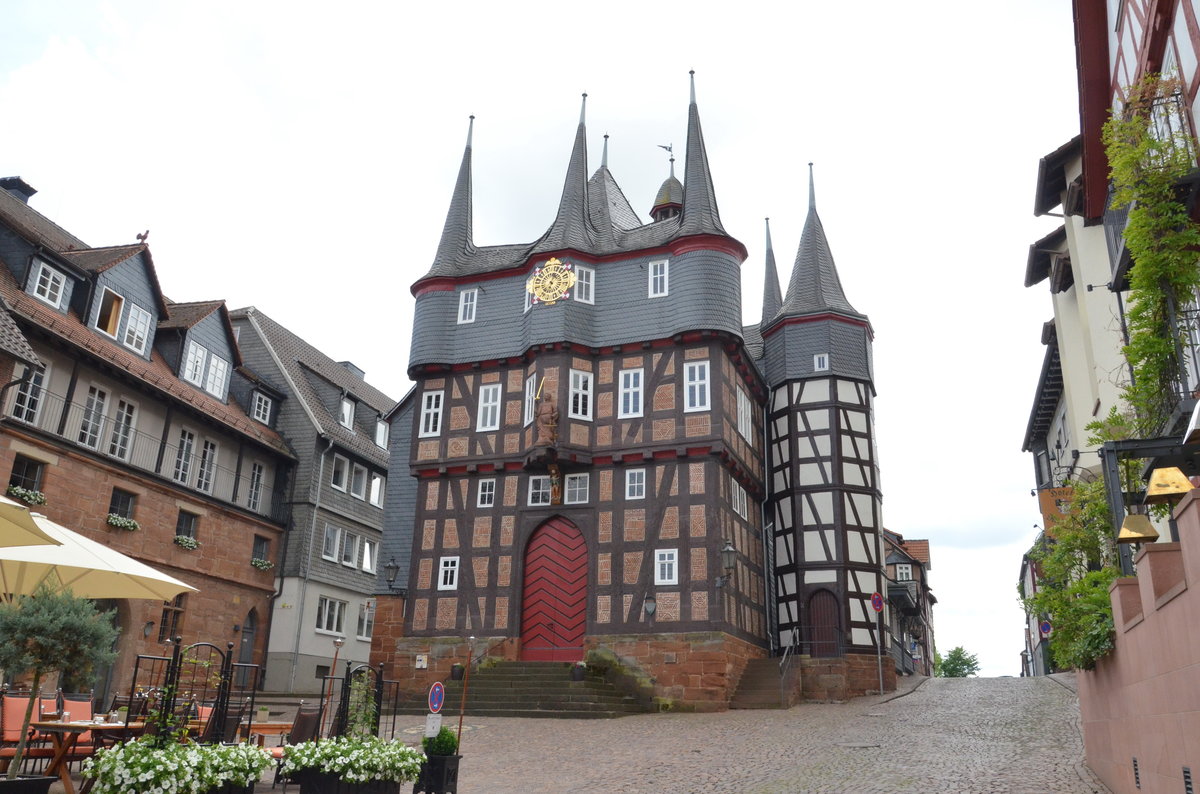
[(390, 571), (728, 562)]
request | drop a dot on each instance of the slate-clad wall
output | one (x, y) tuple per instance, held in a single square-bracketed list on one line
[(15, 251), (790, 351), (400, 502), (704, 292), (129, 280), (210, 332)]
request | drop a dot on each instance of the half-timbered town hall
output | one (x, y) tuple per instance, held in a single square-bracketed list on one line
[(609, 466)]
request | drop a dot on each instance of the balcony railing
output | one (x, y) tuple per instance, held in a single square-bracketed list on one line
[(102, 433), (903, 659), (905, 596)]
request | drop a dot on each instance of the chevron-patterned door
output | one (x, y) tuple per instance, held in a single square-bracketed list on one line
[(554, 600)]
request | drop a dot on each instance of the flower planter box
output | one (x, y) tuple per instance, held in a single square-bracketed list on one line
[(439, 775), (313, 782), (26, 784), (230, 788)]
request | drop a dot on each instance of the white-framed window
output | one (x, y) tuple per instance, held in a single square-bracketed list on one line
[(695, 385), (530, 399), (448, 573), (580, 406), (108, 317), (262, 407), (183, 456), (903, 572), (376, 489), (738, 497), (346, 413), (585, 282), (122, 430), (539, 490), (635, 483), (29, 394), (631, 393), (350, 550), (467, 299), (208, 466), (381, 434), (821, 362), (331, 543), (489, 407), (193, 369), (358, 481), (92, 424), (49, 284), (666, 566), (339, 473), (485, 495), (431, 413), (745, 415), (254, 492), (658, 278), (577, 489), (331, 615), (218, 376), (366, 620), (137, 330), (528, 297), (369, 555)]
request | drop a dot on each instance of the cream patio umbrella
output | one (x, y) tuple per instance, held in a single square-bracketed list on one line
[(17, 527), (89, 569)]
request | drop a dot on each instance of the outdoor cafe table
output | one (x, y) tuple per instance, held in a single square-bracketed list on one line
[(64, 735), (264, 729)]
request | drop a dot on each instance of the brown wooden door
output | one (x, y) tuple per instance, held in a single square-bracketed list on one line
[(554, 596), (825, 626)]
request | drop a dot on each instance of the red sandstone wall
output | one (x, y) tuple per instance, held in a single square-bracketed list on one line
[(844, 677), (1143, 700)]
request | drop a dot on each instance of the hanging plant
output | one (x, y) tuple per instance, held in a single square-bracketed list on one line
[(27, 495), (187, 542), (121, 522), (261, 564)]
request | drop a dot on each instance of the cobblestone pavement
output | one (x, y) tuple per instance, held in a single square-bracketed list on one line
[(993, 735)]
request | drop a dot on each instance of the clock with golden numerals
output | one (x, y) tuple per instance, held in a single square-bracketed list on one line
[(551, 282)]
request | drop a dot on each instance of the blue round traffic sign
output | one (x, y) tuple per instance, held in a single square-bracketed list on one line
[(1045, 627), (876, 602), (437, 696)]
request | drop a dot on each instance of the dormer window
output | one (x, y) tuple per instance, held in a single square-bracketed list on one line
[(218, 375), (206, 369), (262, 408), (346, 413), (193, 371), (381, 433), (108, 318), (49, 284), (137, 331)]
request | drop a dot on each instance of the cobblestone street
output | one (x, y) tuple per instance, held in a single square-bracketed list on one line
[(986, 735)]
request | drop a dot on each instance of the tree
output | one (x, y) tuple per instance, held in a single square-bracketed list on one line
[(46, 632), (958, 664)]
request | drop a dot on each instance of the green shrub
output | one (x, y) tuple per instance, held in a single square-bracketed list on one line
[(445, 743)]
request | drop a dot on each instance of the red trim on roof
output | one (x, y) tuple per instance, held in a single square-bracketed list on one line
[(812, 318)]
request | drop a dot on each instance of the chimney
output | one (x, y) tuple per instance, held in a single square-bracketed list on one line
[(18, 187), (350, 366)]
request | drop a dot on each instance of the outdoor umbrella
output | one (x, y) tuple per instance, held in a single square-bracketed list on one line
[(89, 569), (17, 527)]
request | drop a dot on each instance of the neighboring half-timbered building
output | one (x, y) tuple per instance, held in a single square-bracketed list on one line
[(587, 437)]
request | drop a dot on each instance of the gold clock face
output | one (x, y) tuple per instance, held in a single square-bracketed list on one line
[(551, 282)]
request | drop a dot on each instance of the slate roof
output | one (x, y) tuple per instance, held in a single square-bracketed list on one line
[(593, 216), (772, 298), (1037, 264), (97, 260), (186, 315), (1048, 393), (12, 341), (670, 192), (36, 227), (301, 361), (752, 338)]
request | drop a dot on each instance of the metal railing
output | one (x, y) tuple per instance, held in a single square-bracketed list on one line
[(903, 659), (785, 664)]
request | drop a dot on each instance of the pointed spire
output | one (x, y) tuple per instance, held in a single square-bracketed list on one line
[(700, 214), (815, 286), (457, 243), (604, 156), (572, 227), (772, 299)]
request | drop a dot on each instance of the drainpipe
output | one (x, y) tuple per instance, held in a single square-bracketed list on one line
[(287, 531), (306, 562), (768, 531)]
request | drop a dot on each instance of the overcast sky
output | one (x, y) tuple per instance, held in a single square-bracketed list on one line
[(299, 157)]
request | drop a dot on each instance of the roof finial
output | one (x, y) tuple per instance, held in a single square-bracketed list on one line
[(470, 130), (604, 156), (583, 108), (672, 165), (769, 246), (812, 194), (693, 77)]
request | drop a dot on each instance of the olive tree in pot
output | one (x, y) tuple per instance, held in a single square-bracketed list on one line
[(439, 772), (45, 633)]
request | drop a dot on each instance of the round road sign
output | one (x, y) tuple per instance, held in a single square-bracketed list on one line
[(437, 696), (1045, 627), (876, 602)]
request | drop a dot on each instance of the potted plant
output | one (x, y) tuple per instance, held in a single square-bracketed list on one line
[(121, 522), (44, 633), (165, 765), (187, 542), (578, 670), (439, 773), (457, 671), (358, 762), (29, 496)]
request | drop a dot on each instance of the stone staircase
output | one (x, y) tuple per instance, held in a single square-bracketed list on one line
[(759, 687), (532, 689)]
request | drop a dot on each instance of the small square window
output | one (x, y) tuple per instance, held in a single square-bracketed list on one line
[(448, 574), (821, 362), (635, 484), (658, 278), (49, 284), (577, 489), (262, 407), (339, 473), (539, 490), (186, 524), (331, 542), (121, 503), (346, 413), (903, 572), (467, 300), (666, 567), (487, 493)]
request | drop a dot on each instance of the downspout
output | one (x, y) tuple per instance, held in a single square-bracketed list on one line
[(768, 533), (289, 527), (306, 563)]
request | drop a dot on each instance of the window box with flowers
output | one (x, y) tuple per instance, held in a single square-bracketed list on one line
[(169, 767), (261, 564), (187, 541), (27, 495), (121, 522)]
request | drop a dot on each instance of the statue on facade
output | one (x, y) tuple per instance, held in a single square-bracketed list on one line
[(547, 420)]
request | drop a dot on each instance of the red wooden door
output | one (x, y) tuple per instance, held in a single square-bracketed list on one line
[(823, 615), (554, 596)]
